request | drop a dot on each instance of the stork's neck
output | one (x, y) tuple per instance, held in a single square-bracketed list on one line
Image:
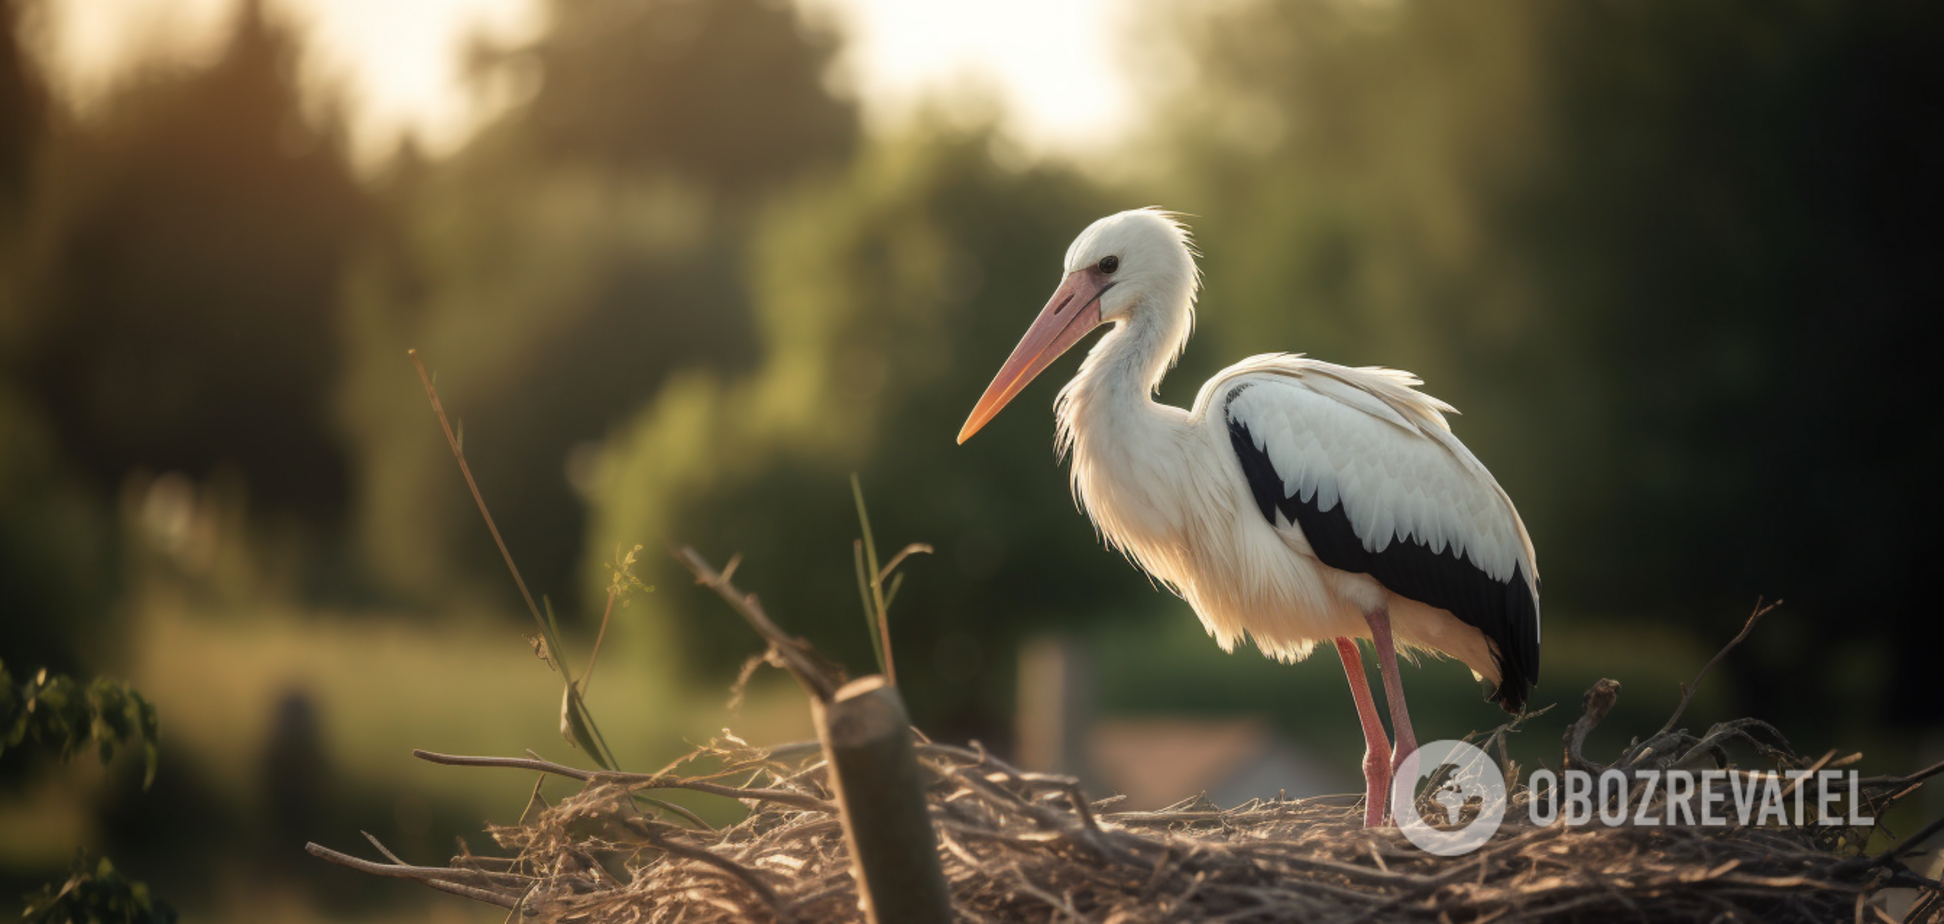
[(1127, 449), (1113, 394), (1131, 359)]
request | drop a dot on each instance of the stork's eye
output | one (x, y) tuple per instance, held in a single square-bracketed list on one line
[(1109, 264)]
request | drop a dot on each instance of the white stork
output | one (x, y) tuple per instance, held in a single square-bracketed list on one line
[(1296, 501)]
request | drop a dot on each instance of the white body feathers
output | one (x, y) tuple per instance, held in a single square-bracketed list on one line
[(1164, 485)]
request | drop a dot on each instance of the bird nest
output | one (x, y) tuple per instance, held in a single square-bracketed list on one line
[(1023, 846)]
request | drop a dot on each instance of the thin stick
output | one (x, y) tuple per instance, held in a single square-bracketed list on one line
[(736, 870), (916, 548), (375, 842), (633, 780), (573, 695), (1688, 690), (788, 649), (435, 876), (438, 408), (587, 676), (1910, 842)]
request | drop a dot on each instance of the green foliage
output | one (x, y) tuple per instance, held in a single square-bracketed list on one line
[(56, 711), (885, 300), (574, 260), (872, 586), (728, 92), (576, 722), (623, 583), (101, 895), (864, 561)]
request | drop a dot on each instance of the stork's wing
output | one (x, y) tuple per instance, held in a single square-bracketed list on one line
[(1365, 467)]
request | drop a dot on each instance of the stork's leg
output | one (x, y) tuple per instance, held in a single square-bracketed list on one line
[(1380, 634), (1376, 762)]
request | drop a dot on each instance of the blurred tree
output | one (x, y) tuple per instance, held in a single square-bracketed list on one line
[(185, 252), (580, 251), (1742, 206), (730, 92), (1678, 251), (884, 301), (55, 562)]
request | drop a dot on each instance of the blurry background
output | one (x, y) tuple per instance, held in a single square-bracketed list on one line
[(682, 265)]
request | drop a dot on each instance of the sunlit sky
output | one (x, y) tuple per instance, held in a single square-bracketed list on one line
[(397, 65)]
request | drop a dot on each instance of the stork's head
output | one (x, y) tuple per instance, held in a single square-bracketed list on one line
[(1136, 268)]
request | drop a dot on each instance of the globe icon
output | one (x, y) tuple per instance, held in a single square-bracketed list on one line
[(1464, 774)]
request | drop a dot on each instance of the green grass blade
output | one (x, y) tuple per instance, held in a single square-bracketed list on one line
[(864, 595), (864, 520), (577, 726), (875, 578)]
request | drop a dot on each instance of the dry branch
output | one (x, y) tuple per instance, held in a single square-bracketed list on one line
[(791, 653)]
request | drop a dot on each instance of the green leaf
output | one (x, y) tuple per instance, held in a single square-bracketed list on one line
[(100, 894), (56, 712), (579, 730), (864, 519), (864, 594)]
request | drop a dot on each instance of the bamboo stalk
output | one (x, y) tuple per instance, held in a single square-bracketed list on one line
[(881, 791)]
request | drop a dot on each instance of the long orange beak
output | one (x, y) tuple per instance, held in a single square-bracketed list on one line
[(1073, 310)]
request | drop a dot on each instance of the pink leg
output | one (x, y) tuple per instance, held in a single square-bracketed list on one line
[(1380, 634), (1377, 769)]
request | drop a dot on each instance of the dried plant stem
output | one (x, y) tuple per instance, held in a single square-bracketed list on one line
[(438, 877), (789, 650), (634, 781), (458, 453), (587, 676), (1688, 689)]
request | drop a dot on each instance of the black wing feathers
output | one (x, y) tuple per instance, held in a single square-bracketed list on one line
[(1504, 611)]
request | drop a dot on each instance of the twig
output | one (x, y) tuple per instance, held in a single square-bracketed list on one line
[(791, 651), (1688, 689), (587, 676), (1595, 705), (382, 848), (736, 870), (1910, 842), (458, 453), (438, 877), (916, 548), (573, 695), (633, 781)]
